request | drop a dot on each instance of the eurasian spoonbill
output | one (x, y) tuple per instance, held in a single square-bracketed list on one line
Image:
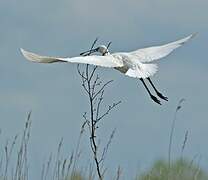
[(135, 64)]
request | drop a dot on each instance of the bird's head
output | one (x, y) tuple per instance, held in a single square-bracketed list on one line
[(101, 49)]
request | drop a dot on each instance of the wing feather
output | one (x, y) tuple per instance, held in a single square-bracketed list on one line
[(142, 71), (105, 61), (157, 52)]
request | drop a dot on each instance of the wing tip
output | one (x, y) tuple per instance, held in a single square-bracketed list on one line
[(26, 54), (22, 51), (29, 56), (186, 39), (193, 35)]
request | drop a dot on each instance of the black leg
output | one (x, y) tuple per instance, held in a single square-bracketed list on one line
[(152, 97), (158, 93)]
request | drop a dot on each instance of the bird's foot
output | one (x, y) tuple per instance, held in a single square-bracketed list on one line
[(162, 97), (155, 99)]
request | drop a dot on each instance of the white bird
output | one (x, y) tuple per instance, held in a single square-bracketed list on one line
[(135, 64)]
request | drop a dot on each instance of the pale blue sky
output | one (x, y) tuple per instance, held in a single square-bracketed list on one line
[(53, 92)]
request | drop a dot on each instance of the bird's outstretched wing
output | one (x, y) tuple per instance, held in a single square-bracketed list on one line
[(105, 61), (157, 52)]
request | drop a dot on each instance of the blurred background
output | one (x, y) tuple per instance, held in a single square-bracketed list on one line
[(53, 92)]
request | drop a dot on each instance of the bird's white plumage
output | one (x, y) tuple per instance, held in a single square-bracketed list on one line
[(134, 64), (142, 71), (157, 52), (104, 61)]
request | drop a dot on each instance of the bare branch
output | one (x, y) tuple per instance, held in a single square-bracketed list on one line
[(109, 109), (95, 90), (98, 105), (93, 72), (102, 88), (81, 73)]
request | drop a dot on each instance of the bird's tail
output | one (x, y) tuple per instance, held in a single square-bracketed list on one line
[(143, 71), (148, 70)]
